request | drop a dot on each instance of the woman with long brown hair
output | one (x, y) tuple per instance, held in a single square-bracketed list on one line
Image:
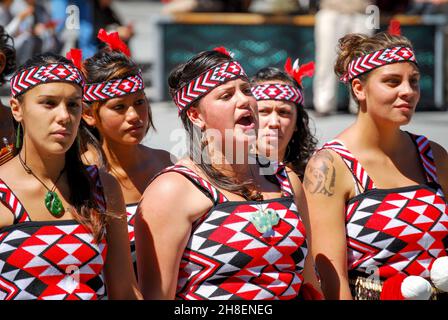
[(377, 194), (214, 226), (119, 115), (62, 224)]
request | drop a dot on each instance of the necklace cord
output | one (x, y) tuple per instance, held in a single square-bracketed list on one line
[(29, 171)]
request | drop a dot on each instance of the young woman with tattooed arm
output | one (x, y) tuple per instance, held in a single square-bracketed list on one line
[(327, 184), (377, 194)]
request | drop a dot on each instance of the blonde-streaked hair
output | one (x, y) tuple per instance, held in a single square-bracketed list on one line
[(356, 45)]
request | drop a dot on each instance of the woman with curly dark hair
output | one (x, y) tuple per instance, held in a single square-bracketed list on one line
[(284, 132), (7, 66)]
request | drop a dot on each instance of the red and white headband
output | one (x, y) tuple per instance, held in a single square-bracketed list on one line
[(280, 92), (25, 79), (284, 92), (113, 88), (377, 59), (206, 82)]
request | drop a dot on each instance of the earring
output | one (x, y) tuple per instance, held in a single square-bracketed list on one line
[(18, 136)]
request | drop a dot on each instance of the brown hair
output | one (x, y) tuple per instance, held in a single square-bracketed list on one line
[(355, 45), (82, 188), (302, 143), (179, 77), (104, 66)]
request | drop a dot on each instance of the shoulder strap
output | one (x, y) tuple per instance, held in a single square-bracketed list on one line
[(98, 193), (10, 201), (426, 157), (203, 185), (285, 185), (352, 163)]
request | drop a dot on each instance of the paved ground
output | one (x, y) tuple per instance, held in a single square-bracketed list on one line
[(169, 127)]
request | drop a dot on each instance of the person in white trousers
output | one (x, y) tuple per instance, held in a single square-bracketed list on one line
[(334, 20)]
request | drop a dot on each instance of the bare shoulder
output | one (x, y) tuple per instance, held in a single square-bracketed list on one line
[(440, 154), (6, 168), (108, 180), (169, 183), (12, 174), (90, 157), (324, 171), (112, 192), (173, 193), (159, 156)]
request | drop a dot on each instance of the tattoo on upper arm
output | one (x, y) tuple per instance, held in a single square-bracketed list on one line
[(320, 174)]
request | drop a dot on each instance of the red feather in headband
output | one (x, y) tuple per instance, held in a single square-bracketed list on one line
[(223, 50), (298, 73), (113, 41), (75, 56), (394, 28)]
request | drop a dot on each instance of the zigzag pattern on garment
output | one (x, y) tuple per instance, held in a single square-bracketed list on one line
[(355, 167), (395, 230)]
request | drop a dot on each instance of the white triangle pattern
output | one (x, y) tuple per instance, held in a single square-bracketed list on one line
[(49, 239), (4, 247), (24, 295), (424, 239), (255, 248), (36, 261), (418, 209), (17, 234), (367, 203)]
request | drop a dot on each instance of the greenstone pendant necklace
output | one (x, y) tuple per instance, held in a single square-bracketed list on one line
[(263, 219), (52, 201)]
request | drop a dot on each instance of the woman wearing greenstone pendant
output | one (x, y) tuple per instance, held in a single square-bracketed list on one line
[(62, 224)]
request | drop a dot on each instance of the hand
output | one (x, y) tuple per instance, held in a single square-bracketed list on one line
[(25, 13)]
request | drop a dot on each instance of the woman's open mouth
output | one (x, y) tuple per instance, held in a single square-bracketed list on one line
[(246, 121)]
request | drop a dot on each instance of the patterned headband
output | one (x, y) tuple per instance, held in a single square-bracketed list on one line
[(377, 59), (280, 92), (113, 88), (206, 82), (25, 79)]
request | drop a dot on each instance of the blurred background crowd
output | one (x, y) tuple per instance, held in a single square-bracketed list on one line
[(301, 6), (58, 25)]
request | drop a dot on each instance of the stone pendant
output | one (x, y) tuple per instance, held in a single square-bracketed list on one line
[(264, 220), (54, 204)]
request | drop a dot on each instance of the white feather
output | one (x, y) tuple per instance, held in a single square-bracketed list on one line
[(295, 66)]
